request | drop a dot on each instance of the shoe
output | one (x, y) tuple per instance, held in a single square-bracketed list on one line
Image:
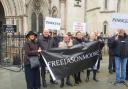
[(76, 82), (53, 82), (37, 88), (61, 85), (110, 71), (95, 80), (80, 80), (116, 82), (98, 71), (87, 79), (69, 84), (113, 70), (44, 84)]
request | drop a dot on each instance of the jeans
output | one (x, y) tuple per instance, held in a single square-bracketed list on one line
[(120, 65)]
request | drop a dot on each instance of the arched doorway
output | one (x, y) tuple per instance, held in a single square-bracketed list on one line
[(2, 21)]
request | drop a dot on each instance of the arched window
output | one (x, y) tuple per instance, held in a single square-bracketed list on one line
[(105, 27), (40, 26), (33, 23), (105, 4)]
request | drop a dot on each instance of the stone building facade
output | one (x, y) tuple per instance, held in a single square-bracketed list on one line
[(98, 14), (30, 14)]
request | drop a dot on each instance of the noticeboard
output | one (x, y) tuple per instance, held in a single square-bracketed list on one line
[(9, 28)]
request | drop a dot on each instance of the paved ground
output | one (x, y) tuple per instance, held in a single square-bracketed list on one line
[(13, 80)]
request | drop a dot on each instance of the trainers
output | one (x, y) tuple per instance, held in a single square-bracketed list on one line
[(124, 83), (116, 82)]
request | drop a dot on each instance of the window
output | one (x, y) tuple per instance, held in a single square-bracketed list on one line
[(105, 4), (33, 23), (105, 27), (40, 19)]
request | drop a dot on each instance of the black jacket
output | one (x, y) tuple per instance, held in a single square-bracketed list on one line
[(31, 49), (121, 47), (111, 46), (46, 43)]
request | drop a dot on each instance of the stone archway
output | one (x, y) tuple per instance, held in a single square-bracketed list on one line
[(2, 21)]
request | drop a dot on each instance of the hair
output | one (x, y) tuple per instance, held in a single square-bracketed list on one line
[(77, 33)]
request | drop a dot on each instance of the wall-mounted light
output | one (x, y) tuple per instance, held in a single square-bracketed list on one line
[(77, 3)]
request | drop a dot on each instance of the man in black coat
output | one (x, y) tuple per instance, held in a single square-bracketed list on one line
[(46, 42), (111, 66)]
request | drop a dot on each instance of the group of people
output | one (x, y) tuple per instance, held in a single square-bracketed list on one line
[(35, 45)]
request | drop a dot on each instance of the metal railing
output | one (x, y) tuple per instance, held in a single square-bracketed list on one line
[(12, 51)]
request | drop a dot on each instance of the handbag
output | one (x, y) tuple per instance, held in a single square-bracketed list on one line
[(34, 61)]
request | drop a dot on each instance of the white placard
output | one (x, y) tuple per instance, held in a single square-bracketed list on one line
[(52, 23), (79, 26), (119, 21)]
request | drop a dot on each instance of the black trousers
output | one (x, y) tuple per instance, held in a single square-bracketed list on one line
[(43, 74), (67, 80), (77, 77), (111, 65), (32, 77)]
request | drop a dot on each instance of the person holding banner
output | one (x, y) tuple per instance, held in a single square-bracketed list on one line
[(46, 42), (93, 37), (111, 66), (66, 43), (121, 56), (31, 48), (78, 40)]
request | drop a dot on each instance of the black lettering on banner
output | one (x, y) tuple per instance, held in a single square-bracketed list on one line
[(120, 20)]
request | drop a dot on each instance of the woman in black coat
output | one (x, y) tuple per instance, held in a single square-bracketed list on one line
[(78, 40), (31, 48)]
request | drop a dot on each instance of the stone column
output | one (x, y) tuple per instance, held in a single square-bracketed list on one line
[(37, 23), (63, 15), (25, 25)]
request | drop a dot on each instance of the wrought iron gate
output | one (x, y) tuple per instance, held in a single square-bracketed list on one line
[(11, 50)]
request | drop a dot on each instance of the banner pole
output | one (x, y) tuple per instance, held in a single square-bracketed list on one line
[(54, 78)]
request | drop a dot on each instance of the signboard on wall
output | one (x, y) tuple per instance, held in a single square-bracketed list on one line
[(119, 21), (79, 26), (52, 23), (9, 28)]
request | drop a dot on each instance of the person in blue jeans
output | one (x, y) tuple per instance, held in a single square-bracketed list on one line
[(121, 55)]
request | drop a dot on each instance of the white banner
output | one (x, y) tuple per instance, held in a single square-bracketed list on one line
[(79, 26), (52, 23), (119, 21)]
